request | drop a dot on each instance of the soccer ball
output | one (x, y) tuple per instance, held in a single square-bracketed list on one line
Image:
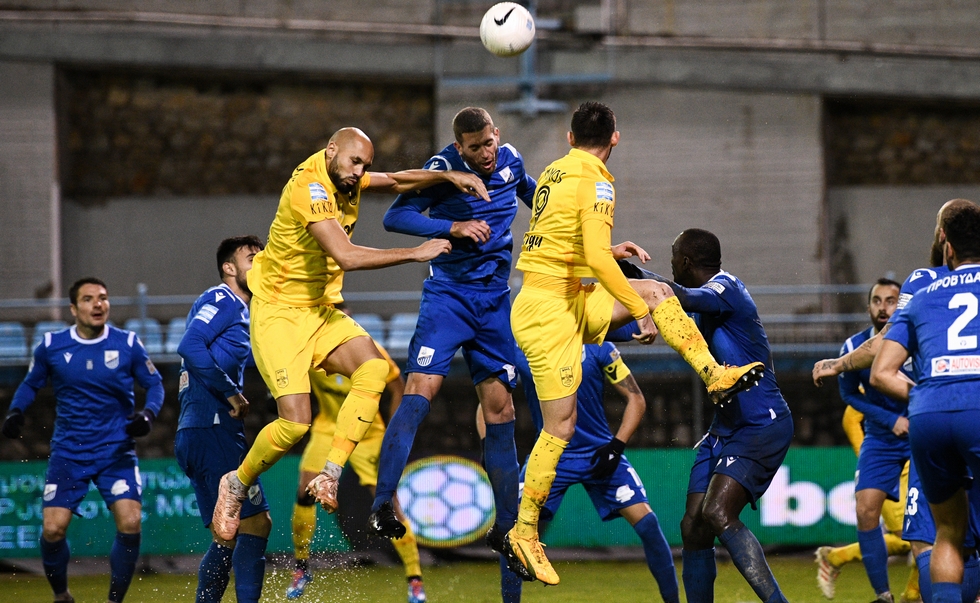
[(507, 29), (447, 499)]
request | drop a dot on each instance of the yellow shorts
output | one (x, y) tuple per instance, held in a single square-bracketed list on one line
[(550, 328), (364, 459), (288, 342)]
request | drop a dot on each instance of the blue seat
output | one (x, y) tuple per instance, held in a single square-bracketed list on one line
[(149, 332), (175, 331), (373, 324), (401, 327), (13, 340), (46, 326)]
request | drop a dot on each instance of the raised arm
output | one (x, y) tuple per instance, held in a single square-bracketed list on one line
[(332, 238), (857, 359), (886, 372), (410, 180)]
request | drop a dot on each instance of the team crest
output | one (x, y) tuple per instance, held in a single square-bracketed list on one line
[(255, 494), (49, 492), (112, 359), (282, 378), (425, 356), (566, 376)]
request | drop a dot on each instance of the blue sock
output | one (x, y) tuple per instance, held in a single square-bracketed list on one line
[(122, 563), (212, 575), (503, 471), (748, 557), (248, 561), (510, 584), (54, 557), (946, 592), (925, 580), (971, 579), (659, 559), (699, 575), (397, 444), (874, 555), (623, 333)]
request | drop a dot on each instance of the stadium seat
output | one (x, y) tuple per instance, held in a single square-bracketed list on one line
[(175, 330), (13, 340), (401, 327), (149, 332), (373, 324), (46, 326)]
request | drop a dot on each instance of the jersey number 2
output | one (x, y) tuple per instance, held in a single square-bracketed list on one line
[(955, 341)]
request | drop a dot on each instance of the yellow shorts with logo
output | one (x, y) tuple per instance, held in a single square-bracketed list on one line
[(364, 459), (288, 342), (550, 328)]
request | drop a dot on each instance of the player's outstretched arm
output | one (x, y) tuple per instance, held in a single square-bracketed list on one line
[(411, 180), (333, 240), (36, 377), (858, 359), (886, 371), (406, 217)]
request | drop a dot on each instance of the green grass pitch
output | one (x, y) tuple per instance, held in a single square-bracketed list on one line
[(581, 582)]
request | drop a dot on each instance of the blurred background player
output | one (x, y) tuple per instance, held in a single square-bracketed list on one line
[(210, 439), (330, 392), (465, 304), (594, 458), (555, 313), (295, 282), (92, 367)]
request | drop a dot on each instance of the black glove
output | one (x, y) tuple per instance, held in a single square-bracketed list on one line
[(606, 458), (12, 423), (139, 424), (630, 270)]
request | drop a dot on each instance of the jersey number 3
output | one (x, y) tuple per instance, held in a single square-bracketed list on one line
[(954, 340)]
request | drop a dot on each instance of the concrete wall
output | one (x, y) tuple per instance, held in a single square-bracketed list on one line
[(28, 178)]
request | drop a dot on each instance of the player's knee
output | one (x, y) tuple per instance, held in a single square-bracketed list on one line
[(370, 376), (652, 292), (259, 525), (53, 532), (284, 433), (716, 516)]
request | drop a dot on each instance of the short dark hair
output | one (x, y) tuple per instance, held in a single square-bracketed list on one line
[(962, 228), (88, 280), (702, 246), (593, 125), (883, 282), (228, 247), (469, 120)]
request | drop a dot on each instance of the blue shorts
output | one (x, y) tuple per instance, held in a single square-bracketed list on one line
[(881, 463), (207, 453), (946, 448), (473, 317), (750, 455), (67, 481), (918, 523), (609, 495)]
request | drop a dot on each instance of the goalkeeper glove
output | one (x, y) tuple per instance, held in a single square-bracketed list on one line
[(12, 423), (606, 458), (139, 424)]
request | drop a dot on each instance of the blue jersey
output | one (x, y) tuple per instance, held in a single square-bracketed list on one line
[(940, 330), (729, 320), (468, 261), (214, 350), (880, 411), (599, 362), (93, 387), (919, 279)]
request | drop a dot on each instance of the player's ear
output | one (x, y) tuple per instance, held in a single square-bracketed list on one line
[(571, 139), (614, 140), (74, 310), (229, 269)]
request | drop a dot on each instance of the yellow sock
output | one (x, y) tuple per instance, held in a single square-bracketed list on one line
[(844, 554), (270, 445), (538, 477), (359, 409), (304, 524), (912, 591), (682, 334), (897, 546), (408, 551)]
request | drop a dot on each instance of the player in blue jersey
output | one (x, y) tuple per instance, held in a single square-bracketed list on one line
[(92, 367), (465, 304), (938, 330), (750, 434), (210, 434)]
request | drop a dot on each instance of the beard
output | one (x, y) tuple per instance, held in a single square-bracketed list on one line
[(936, 256), (338, 180)]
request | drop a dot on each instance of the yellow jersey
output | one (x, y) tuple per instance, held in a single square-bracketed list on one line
[(330, 391), (571, 190), (293, 270)]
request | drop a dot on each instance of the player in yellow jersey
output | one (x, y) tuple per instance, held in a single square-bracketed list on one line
[(295, 282), (554, 313), (330, 392)]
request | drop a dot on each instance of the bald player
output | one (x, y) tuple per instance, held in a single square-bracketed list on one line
[(296, 282)]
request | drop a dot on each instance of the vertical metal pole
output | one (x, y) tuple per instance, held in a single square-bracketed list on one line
[(141, 290)]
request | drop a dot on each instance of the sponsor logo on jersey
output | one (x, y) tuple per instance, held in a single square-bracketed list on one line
[(149, 367), (88, 365), (955, 365), (282, 378), (903, 300), (119, 487), (218, 296), (715, 286), (624, 493), (566, 376), (604, 191), (206, 313), (506, 174), (317, 192), (67, 357), (49, 491), (112, 359), (730, 460), (183, 382), (921, 273), (425, 355)]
